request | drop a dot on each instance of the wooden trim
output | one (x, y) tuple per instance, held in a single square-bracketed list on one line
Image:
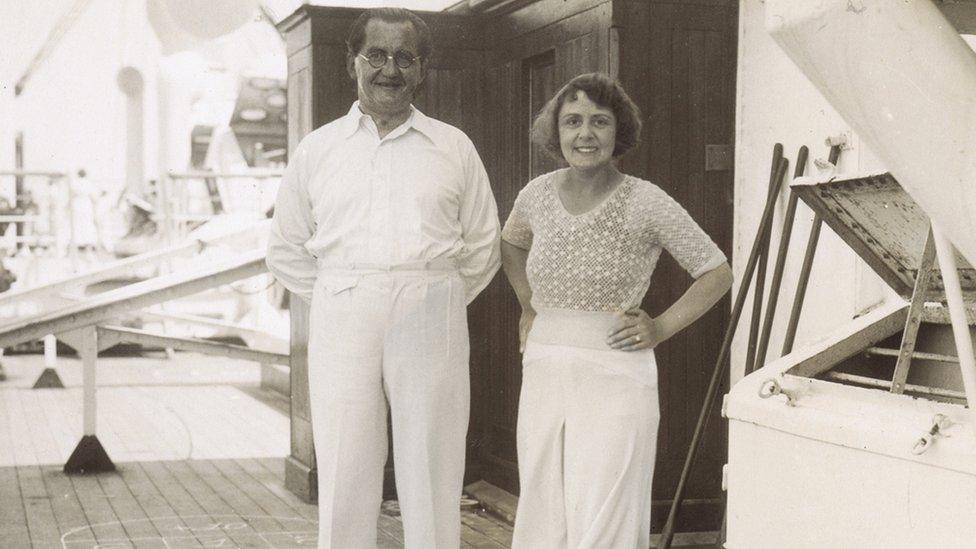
[(127, 265), (527, 17), (234, 328), (835, 349), (830, 213), (883, 384), (301, 480), (936, 313), (33, 173), (149, 339), (135, 296), (494, 499), (914, 319), (962, 15)]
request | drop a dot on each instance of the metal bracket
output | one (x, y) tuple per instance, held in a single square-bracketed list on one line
[(914, 320), (771, 388), (940, 422)]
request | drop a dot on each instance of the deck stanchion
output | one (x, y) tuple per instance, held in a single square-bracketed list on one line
[(49, 378), (89, 456)]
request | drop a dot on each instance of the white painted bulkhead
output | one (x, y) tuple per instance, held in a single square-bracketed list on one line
[(775, 102), (837, 469)]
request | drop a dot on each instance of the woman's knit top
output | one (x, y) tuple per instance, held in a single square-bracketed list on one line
[(602, 260)]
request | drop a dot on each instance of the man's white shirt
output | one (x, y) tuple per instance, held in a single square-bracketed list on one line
[(419, 194)]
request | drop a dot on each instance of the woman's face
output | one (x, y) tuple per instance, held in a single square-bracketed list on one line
[(587, 132)]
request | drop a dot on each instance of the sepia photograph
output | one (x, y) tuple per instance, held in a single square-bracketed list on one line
[(493, 274)]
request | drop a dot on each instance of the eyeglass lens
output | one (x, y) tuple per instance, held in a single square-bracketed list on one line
[(378, 58)]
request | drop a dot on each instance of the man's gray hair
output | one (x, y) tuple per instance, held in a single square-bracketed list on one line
[(357, 33)]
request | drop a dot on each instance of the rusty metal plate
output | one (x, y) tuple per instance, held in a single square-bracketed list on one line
[(884, 225), (719, 158)]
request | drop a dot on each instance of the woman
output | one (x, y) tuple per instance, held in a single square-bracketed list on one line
[(579, 248)]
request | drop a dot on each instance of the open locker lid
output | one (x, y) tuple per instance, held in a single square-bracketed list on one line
[(885, 227)]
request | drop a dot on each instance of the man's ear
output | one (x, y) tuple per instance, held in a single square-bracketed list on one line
[(351, 65)]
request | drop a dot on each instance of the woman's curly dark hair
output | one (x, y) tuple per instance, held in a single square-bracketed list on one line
[(605, 92)]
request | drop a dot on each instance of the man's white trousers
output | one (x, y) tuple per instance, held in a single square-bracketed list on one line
[(397, 337)]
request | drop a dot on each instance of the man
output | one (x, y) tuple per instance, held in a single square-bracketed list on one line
[(386, 222)]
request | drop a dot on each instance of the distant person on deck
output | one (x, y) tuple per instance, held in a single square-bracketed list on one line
[(386, 223), (579, 249)]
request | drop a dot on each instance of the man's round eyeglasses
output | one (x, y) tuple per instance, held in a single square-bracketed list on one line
[(377, 58)]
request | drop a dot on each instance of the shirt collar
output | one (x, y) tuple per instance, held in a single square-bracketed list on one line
[(417, 120)]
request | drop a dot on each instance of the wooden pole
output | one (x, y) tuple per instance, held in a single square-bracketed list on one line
[(667, 534), (757, 300), (801, 287), (779, 267), (910, 334)]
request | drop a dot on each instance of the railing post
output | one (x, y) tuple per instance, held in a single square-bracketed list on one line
[(89, 456), (49, 378)]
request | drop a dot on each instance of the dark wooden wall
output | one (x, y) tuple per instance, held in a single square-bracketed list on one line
[(677, 60), (540, 47), (492, 74)]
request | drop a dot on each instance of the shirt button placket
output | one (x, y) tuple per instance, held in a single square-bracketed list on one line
[(375, 206), (384, 229)]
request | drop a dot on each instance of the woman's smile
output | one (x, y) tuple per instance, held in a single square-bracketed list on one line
[(587, 132)]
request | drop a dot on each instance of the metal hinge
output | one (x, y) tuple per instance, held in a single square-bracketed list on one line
[(719, 158)]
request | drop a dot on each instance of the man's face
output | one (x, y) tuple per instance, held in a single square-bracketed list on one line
[(387, 90)]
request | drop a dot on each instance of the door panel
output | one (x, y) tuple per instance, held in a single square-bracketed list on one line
[(520, 87), (691, 84)]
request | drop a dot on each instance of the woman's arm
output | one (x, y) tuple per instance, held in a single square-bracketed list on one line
[(513, 263), (637, 330)]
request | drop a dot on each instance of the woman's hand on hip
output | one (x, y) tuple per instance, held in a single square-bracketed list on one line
[(635, 330), (525, 324)]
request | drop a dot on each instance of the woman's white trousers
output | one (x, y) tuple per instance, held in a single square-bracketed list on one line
[(398, 338), (586, 437)]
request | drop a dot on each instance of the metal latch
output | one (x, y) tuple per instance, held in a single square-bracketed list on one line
[(940, 422), (771, 388)]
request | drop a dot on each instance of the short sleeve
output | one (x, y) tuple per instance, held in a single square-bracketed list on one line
[(675, 231), (518, 229)]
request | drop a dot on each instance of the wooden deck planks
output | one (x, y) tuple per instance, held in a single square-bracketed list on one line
[(98, 512), (140, 424), (496, 534), (195, 503), (159, 511), (174, 497), (235, 498), (61, 428), (225, 490), (30, 404), (134, 520), (21, 446), (13, 519), (214, 519), (64, 502), (41, 523)]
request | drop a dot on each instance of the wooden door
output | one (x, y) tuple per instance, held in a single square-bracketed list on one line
[(525, 70), (677, 60)]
